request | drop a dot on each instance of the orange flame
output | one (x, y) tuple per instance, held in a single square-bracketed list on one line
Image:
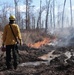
[(40, 43)]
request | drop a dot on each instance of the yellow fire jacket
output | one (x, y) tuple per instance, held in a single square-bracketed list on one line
[(8, 37)]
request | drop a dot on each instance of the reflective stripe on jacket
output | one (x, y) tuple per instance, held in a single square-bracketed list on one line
[(8, 38)]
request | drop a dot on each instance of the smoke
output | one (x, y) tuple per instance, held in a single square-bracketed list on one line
[(65, 36)]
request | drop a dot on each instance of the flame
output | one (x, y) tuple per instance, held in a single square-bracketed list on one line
[(40, 43)]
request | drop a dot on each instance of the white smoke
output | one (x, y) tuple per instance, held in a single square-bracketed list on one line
[(65, 36)]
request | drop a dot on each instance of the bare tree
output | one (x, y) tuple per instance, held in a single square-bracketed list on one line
[(40, 11), (4, 15), (71, 12), (42, 8), (42, 23), (27, 12), (58, 16), (28, 3), (39, 18), (33, 22), (51, 15), (54, 13), (63, 13), (33, 17), (47, 13), (16, 10)]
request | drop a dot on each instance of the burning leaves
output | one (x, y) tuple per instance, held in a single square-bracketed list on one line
[(40, 43)]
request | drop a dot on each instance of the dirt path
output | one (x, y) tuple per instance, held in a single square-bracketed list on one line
[(34, 66)]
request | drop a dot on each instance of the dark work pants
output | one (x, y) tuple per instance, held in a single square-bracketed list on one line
[(11, 50)]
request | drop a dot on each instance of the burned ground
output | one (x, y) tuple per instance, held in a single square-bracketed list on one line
[(54, 67)]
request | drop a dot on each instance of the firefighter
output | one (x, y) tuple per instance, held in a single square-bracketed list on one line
[(10, 42)]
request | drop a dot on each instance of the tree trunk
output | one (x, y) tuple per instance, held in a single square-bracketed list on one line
[(71, 12), (54, 13), (16, 10), (63, 14), (47, 13)]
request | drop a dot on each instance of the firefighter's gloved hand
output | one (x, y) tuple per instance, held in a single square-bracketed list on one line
[(21, 42)]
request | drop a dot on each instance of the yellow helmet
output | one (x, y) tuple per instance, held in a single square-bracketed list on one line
[(12, 17)]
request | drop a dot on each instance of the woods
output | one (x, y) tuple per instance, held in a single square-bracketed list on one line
[(46, 41), (45, 17)]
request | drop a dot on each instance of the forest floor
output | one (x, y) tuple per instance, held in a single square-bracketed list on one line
[(40, 60)]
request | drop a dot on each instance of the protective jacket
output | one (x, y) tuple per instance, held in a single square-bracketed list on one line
[(8, 38)]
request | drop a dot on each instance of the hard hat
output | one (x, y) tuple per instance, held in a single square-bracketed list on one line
[(12, 17)]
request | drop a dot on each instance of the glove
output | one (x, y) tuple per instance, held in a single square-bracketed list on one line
[(21, 42), (3, 48)]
